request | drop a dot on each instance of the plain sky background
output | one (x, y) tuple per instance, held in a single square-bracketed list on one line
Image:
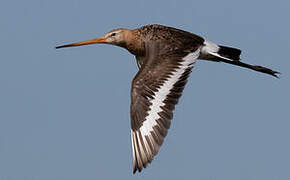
[(64, 114)]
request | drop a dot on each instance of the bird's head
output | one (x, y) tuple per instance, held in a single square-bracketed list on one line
[(115, 37)]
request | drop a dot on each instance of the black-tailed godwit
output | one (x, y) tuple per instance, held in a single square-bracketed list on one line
[(165, 57)]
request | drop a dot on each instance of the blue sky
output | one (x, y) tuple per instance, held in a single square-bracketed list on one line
[(64, 114)]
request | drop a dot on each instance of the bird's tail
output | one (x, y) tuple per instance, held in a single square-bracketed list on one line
[(214, 52), (228, 52)]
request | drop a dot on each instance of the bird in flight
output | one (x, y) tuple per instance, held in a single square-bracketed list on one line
[(165, 57)]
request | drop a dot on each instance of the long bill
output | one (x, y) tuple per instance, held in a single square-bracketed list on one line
[(94, 41)]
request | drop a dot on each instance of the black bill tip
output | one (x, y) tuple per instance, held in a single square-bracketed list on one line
[(63, 46)]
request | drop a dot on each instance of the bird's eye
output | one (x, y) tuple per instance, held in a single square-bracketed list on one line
[(113, 34)]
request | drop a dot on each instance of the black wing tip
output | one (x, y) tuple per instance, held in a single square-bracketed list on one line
[(139, 169)]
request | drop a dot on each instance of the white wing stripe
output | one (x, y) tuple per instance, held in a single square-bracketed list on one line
[(163, 91)]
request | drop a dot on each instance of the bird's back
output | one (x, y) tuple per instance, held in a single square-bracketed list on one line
[(169, 36)]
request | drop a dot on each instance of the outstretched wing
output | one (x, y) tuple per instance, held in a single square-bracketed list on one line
[(155, 91)]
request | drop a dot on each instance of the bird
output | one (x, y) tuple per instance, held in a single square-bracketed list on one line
[(165, 57)]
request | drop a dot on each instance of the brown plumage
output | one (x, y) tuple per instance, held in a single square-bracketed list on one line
[(165, 57)]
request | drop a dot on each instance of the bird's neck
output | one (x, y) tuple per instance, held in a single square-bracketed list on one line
[(133, 42)]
